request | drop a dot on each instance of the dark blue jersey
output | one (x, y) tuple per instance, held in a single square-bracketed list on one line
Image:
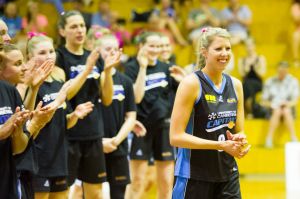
[(214, 113)]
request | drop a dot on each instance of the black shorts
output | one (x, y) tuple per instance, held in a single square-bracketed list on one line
[(156, 142), (52, 184), (25, 185), (86, 161), (117, 168), (185, 188)]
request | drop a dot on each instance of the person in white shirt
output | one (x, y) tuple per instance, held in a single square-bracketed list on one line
[(280, 94)]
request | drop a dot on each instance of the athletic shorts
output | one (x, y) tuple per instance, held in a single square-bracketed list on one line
[(86, 161), (155, 143), (51, 184), (117, 168), (185, 188), (25, 185)]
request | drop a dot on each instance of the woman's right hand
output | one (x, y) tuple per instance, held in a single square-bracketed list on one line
[(142, 57), (235, 148)]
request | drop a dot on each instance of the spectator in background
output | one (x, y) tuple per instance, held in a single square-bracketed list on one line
[(295, 12), (117, 28), (166, 9), (166, 16), (102, 17), (79, 5), (12, 20), (34, 21), (251, 68), (201, 17), (280, 94), (237, 19)]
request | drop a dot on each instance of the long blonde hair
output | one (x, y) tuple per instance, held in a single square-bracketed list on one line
[(205, 39)]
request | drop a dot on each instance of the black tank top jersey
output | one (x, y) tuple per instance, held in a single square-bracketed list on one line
[(213, 115), (51, 143), (155, 106), (9, 100), (114, 115), (91, 127)]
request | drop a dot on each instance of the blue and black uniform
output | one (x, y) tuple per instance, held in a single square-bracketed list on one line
[(153, 111), (209, 173), (86, 157), (117, 165)]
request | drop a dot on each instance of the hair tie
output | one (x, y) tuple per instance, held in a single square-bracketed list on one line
[(98, 34), (34, 34), (204, 30)]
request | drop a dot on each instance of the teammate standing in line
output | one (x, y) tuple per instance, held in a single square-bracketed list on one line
[(212, 103), (152, 86), (119, 120), (51, 143), (12, 70), (86, 157)]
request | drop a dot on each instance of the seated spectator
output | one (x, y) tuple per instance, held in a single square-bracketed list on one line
[(12, 20), (167, 20), (117, 28), (34, 21), (79, 5), (201, 17), (295, 12), (237, 19), (280, 94), (165, 9), (251, 68), (101, 17)]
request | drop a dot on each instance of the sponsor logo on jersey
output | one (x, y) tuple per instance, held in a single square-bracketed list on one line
[(48, 98), (231, 100), (210, 98), (166, 154), (119, 92), (139, 152), (120, 178), (220, 120), (221, 98), (156, 80), (5, 113), (75, 70), (101, 175), (47, 184)]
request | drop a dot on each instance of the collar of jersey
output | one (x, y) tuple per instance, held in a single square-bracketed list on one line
[(219, 91)]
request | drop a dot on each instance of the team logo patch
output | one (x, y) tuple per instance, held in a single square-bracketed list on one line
[(231, 100), (156, 80), (231, 124), (210, 98), (119, 92)]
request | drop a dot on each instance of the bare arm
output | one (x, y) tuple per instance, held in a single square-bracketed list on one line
[(139, 85), (80, 112), (106, 83), (80, 79), (36, 77), (126, 128)]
